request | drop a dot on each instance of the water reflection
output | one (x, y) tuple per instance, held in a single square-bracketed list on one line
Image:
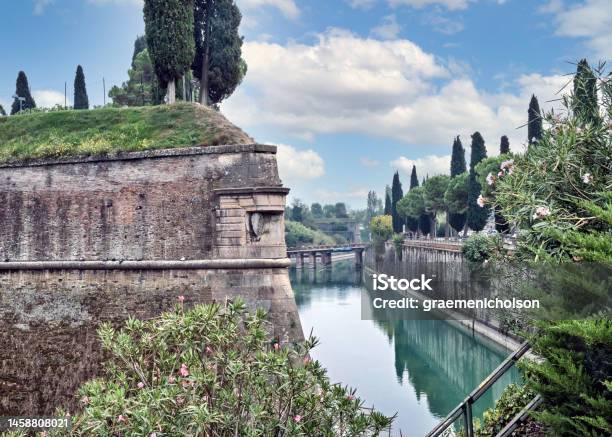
[(419, 368)]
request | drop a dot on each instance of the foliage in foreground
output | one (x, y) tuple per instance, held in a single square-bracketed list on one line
[(575, 376), (215, 371), (559, 193)]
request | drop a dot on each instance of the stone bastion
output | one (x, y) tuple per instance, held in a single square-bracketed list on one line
[(87, 240)]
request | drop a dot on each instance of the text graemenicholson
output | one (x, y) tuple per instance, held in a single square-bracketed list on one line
[(383, 282)]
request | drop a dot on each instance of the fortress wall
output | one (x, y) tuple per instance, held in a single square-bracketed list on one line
[(91, 240)]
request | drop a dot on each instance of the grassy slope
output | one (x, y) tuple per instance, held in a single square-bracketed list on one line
[(108, 130)]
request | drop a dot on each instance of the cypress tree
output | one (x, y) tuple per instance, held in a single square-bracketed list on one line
[(585, 105), (80, 92), (218, 62), (534, 121), (414, 180), (396, 195), (2, 111), (458, 166), (504, 146), (476, 216), (22, 89), (387, 200), (169, 31)]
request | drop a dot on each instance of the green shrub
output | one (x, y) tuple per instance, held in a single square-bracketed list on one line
[(398, 241), (479, 248), (296, 234), (574, 377), (512, 400), (215, 371)]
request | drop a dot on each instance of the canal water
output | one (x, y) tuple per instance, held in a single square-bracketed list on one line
[(419, 369)]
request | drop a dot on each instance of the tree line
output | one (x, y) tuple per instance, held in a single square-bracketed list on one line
[(466, 196), (191, 49), (23, 100)]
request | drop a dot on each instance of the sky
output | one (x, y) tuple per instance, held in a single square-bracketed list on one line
[(349, 90)]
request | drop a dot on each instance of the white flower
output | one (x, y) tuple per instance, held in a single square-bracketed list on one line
[(507, 164), (587, 178), (500, 174), (481, 201), (578, 130), (490, 179), (541, 212)]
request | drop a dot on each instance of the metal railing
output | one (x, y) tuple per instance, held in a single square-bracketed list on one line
[(465, 408)]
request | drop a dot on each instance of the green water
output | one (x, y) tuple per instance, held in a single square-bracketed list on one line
[(420, 369)]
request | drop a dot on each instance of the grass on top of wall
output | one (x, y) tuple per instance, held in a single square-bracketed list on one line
[(109, 130)]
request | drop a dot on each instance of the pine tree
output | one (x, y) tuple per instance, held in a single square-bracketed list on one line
[(504, 146), (140, 44), (476, 216), (585, 104), (218, 62), (22, 89), (414, 180), (534, 122), (458, 166), (80, 92), (396, 195), (169, 29), (2, 111), (387, 200)]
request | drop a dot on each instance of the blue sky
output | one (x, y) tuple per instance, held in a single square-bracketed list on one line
[(350, 90)]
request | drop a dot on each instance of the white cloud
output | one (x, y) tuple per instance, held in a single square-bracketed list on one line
[(368, 162), (443, 24), (343, 83), (299, 164), (591, 20), (388, 29), (361, 4), (339, 196), (428, 165), (40, 6), (449, 4), (287, 7), (48, 98)]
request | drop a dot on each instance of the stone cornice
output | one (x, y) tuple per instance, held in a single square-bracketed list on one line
[(203, 264), (145, 154)]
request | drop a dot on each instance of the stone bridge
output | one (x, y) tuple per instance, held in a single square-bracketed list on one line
[(324, 253)]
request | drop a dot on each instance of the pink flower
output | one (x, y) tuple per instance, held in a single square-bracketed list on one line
[(276, 346), (297, 418), (490, 179), (307, 360), (500, 174), (507, 165), (181, 299), (481, 201), (140, 385), (153, 434), (209, 350), (541, 212), (350, 397), (183, 371), (171, 379), (43, 434), (121, 418), (85, 400)]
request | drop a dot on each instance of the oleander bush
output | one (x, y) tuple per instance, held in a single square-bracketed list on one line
[(215, 371)]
